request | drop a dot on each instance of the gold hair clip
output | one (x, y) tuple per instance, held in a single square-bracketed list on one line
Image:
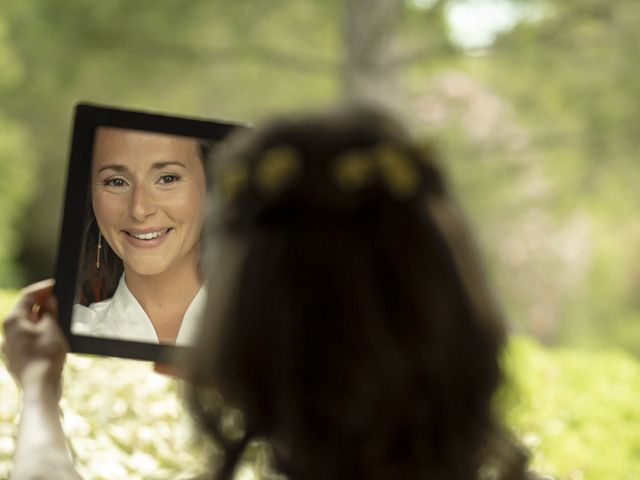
[(356, 169), (276, 168), (353, 170), (397, 171)]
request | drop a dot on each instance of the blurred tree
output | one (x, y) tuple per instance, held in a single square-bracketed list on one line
[(16, 181), (383, 39), (542, 154), (572, 76), (539, 131), (235, 60), (369, 74), (220, 59)]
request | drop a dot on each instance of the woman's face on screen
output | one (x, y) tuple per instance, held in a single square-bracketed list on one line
[(148, 194)]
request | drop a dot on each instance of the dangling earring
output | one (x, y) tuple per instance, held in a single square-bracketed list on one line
[(98, 251)]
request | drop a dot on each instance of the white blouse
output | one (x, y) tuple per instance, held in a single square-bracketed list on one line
[(123, 318)]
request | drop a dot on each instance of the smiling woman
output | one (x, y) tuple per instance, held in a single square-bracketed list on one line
[(142, 250)]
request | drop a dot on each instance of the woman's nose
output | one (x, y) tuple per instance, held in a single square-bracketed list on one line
[(141, 204)]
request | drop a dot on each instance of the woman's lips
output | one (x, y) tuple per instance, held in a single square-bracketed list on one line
[(149, 238), (147, 235)]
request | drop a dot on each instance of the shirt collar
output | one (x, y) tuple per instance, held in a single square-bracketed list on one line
[(133, 323)]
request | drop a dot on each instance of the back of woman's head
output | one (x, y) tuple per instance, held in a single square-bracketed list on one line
[(355, 331)]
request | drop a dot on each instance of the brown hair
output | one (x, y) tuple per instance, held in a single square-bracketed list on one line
[(359, 336)]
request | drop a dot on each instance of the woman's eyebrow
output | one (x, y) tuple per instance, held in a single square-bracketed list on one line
[(155, 166), (116, 167), (161, 165)]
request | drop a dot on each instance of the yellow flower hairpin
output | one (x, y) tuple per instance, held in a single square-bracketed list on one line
[(273, 171), (397, 171), (353, 170), (356, 169), (276, 168)]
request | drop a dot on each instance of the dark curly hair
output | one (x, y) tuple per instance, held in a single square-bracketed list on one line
[(356, 332)]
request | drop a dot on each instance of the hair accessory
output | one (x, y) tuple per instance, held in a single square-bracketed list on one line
[(397, 171), (356, 169), (276, 168), (273, 171), (353, 170), (98, 249)]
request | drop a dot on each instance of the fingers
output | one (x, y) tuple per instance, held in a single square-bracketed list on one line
[(50, 305), (34, 345), (33, 302), (40, 345), (169, 370), (50, 325), (36, 295)]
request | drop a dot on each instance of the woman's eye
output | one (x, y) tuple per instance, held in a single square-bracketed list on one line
[(169, 178), (115, 182)]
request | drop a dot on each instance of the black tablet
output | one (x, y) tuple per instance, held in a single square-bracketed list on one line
[(127, 274)]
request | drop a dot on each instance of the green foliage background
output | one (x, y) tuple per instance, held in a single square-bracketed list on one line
[(537, 129), (16, 189), (538, 132)]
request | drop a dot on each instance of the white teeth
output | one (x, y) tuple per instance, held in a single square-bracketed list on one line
[(148, 236)]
